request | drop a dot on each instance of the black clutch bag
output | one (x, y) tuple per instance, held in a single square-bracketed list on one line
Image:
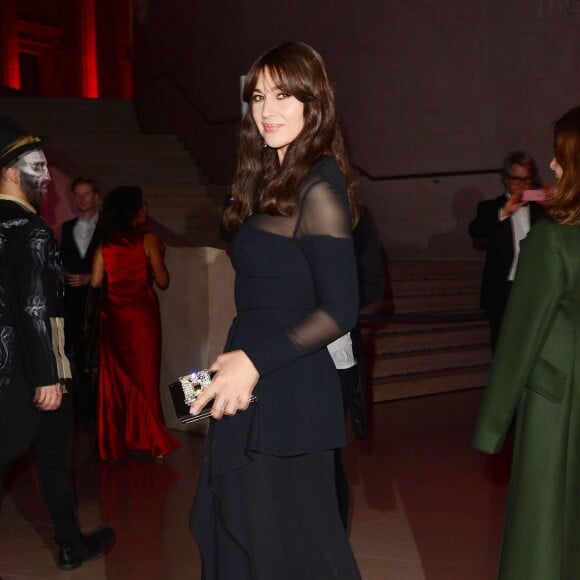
[(185, 390)]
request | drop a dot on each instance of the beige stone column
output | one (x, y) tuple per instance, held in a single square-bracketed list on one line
[(196, 312)]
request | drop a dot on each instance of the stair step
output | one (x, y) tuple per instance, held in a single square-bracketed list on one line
[(173, 170), (428, 338), (436, 302), (193, 229), (199, 212), (384, 320), (428, 383), (206, 190), (101, 138), (49, 117), (430, 360), (162, 201), (182, 222), (127, 148), (412, 320), (422, 269), (108, 182), (119, 140), (119, 176), (416, 287), (150, 156)]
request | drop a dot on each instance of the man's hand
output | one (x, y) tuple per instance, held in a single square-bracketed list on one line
[(513, 204), (48, 398), (78, 279)]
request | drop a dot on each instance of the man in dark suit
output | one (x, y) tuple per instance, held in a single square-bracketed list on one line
[(34, 406), (503, 223), (78, 242), (347, 351)]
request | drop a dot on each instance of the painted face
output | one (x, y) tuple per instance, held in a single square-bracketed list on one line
[(556, 168), (86, 198), (518, 179), (34, 176), (278, 115)]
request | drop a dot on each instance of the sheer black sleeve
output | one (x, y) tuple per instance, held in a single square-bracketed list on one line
[(323, 233)]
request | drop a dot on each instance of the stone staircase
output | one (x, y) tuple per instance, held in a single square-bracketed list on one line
[(101, 139), (429, 336)]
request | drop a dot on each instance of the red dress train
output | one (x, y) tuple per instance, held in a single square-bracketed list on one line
[(129, 415)]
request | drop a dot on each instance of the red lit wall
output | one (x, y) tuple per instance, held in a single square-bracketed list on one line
[(82, 47), (9, 45), (89, 60)]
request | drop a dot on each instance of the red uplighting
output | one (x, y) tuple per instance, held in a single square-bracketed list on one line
[(89, 51), (12, 76), (9, 46)]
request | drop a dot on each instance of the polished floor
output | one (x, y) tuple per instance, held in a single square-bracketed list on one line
[(425, 506)]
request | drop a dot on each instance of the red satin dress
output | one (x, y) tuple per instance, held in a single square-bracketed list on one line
[(129, 415)]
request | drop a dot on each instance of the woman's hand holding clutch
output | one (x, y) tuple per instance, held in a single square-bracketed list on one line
[(231, 387)]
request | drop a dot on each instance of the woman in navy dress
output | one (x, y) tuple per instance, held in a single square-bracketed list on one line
[(266, 503)]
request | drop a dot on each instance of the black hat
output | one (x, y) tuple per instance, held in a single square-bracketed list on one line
[(14, 141)]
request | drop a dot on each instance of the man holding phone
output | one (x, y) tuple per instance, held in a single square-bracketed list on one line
[(503, 223)]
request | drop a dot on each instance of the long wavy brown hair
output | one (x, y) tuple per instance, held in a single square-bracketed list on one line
[(563, 200), (261, 184)]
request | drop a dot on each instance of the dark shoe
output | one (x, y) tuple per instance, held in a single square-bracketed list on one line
[(93, 545)]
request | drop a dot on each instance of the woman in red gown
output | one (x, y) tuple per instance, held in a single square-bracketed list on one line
[(129, 415)]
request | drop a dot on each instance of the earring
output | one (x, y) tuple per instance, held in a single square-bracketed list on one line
[(264, 144)]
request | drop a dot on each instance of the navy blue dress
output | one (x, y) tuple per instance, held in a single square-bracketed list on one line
[(295, 291)]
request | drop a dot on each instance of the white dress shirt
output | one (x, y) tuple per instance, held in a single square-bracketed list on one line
[(520, 227), (83, 232), (341, 352)]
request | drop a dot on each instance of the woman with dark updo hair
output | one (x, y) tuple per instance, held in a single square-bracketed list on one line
[(129, 415), (535, 377), (266, 505)]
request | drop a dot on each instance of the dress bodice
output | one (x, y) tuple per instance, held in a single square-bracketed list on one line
[(125, 261), (296, 291)]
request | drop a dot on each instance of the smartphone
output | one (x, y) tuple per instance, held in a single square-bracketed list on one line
[(538, 195)]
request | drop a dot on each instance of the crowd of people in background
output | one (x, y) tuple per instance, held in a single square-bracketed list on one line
[(55, 306)]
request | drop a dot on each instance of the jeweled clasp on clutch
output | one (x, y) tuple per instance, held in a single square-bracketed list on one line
[(195, 383)]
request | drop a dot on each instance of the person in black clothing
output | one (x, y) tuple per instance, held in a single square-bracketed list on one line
[(371, 288), (78, 241), (503, 223), (34, 409), (266, 504), (347, 351)]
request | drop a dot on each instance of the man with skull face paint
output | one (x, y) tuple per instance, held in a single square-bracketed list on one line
[(34, 407)]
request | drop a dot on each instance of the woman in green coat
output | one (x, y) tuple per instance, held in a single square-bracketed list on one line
[(535, 377)]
